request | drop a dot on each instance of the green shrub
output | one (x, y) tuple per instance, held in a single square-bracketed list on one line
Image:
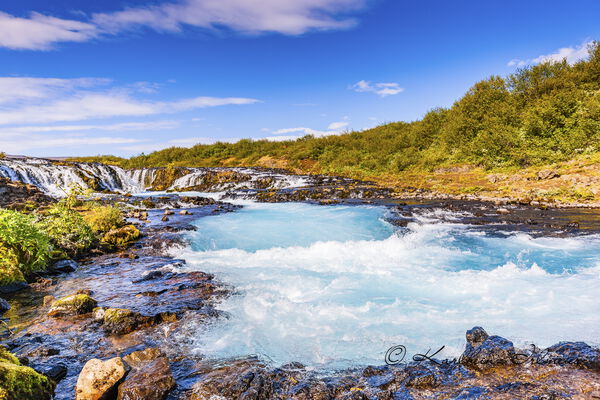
[(67, 230), (104, 218), (23, 245)]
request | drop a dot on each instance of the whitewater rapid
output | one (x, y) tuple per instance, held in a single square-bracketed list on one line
[(337, 286)]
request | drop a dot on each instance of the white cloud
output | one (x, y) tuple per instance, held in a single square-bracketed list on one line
[(336, 126), (47, 100), (571, 54), (382, 89), (17, 144), (40, 32), (289, 17)]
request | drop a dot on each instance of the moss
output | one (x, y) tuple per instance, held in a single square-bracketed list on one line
[(21, 382), (121, 237), (104, 218), (73, 305), (120, 321)]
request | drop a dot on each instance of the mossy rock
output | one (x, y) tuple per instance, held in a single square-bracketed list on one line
[(120, 321), (121, 237), (75, 304), (20, 382)]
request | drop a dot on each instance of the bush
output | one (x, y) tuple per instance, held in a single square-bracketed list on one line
[(23, 246), (67, 230), (104, 218)]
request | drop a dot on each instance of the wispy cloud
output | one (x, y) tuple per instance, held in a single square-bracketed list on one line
[(288, 17), (334, 128), (20, 143), (382, 89), (43, 100), (571, 54), (40, 32)]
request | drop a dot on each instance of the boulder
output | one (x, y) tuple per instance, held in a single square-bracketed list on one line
[(575, 353), (14, 286), (18, 381), (184, 212), (4, 305), (547, 174), (63, 266), (75, 304), (99, 379), (483, 351), (120, 321), (150, 377)]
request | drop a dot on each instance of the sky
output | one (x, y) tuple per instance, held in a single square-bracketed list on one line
[(123, 77)]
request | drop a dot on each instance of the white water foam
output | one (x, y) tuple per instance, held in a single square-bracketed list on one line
[(335, 286)]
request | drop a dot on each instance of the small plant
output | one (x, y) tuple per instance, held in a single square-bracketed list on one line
[(121, 237), (67, 230), (23, 245), (104, 218)]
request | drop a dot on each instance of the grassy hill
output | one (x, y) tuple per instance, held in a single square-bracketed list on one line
[(496, 140)]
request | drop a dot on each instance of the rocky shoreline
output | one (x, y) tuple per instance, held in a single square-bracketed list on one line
[(111, 325)]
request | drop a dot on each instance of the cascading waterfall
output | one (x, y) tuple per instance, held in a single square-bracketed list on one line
[(56, 179)]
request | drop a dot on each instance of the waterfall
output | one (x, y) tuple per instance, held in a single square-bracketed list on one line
[(55, 178)]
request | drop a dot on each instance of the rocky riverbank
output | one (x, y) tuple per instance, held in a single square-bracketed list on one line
[(111, 325)]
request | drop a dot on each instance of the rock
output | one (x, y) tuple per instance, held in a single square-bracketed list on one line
[(4, 305), (99, 379), (98, 314), (484, 352), (502, 211), (48, 300), (169, 212), (120, 321), (184, 212), (75, 304), (13, 287), (575, 353), (164, 218), (547, 174), (121, 237), (21, 382), (150, 378), (55, 372), (64, 266)]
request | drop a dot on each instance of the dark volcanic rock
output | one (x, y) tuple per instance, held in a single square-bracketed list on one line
[(484, 352), (574, 353)]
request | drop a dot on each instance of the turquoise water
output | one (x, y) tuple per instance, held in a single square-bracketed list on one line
[(336, 286)]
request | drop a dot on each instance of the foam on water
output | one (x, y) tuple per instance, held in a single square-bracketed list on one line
[(336, 286)]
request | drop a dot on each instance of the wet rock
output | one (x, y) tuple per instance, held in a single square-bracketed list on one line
[(484, 351), (169, 212), (55, 372), (48, 300), (119, 321), (4, 305), (165, 218), (99, 379), (63, 266), (13, 287), (184, 212), (18, 381), (502, 211), (574, 353), (150, 377), (76, 304)]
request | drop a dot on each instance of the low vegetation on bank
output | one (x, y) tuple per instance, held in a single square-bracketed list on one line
[(30, 242), (541, 115)]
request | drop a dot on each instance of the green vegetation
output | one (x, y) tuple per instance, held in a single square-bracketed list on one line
[(104, 218), (539, 115), (20, 382), (24, 248), (67, 230), (28, 243)]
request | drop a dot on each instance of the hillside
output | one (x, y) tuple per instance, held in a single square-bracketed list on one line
[(534, 134)]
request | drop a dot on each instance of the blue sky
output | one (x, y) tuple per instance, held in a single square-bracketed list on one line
[(124, 77)]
